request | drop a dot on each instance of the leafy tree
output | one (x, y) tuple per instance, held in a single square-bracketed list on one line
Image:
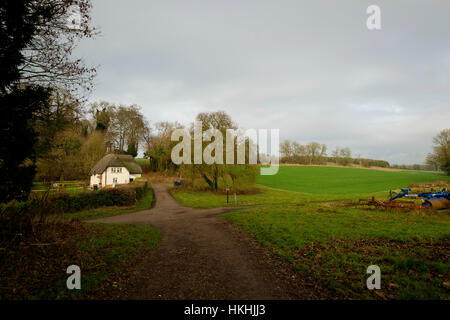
[(92, 150), (440, 157), (72, 155), (243, 177), (238, 176), (62, 161), (220, 121)]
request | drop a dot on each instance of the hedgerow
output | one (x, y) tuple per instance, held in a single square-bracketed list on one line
[(17, 217), (126, 195)]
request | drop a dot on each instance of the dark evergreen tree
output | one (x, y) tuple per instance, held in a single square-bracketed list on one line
[(132, 149), (18, 140), (19, 105), (18, 21)]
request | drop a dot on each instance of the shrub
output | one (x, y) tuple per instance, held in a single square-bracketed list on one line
[(126, 195), (17, 217)]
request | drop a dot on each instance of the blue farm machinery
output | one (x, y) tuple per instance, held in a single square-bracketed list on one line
[(433, 200), (405, 199)]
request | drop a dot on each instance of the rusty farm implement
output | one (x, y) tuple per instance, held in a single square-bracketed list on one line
[(406, 200)]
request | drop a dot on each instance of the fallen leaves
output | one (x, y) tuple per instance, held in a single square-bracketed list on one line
[(380, 294), (42, 272), (409, 268)]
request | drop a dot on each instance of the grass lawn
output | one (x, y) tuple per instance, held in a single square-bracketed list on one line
[(143, 204), (300, 184), (106, 254), (333, 246), (267, 196), (344, 181)]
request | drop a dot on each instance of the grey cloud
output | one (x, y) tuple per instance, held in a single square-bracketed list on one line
[(310, 68)]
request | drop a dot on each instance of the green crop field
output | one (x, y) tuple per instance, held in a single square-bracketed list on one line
[(336, 180), (301, 184)]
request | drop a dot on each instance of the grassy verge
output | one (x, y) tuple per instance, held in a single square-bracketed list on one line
[(266, 196), (106, 254), (333, 246), (143, 204)]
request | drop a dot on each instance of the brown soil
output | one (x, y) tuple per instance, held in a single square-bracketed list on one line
[(436, 184), (203, 257)]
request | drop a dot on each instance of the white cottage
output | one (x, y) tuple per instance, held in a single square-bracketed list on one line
[(113, 170)]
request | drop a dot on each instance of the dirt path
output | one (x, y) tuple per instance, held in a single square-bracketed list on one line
[(203, 257)]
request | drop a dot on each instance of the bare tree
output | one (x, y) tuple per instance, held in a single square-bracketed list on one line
[(159, 145), (313, 150), (323, 153), (124, 126), (346, 156), (286, 149), (216, 120), (336, 154), (298, 150), (48, 56)]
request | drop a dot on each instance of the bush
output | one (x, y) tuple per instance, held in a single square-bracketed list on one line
[(126, 195), (17, 217), (240, 178)]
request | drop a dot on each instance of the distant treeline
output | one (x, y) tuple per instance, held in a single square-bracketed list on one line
[(341, 161), (316, 153), (425, 167)]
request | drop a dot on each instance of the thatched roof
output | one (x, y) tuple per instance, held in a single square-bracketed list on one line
[(116, 160)]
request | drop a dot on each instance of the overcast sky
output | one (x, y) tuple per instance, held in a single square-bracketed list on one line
[(310, 68)]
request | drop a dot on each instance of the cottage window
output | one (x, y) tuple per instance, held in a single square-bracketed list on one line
[(114, 180)]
